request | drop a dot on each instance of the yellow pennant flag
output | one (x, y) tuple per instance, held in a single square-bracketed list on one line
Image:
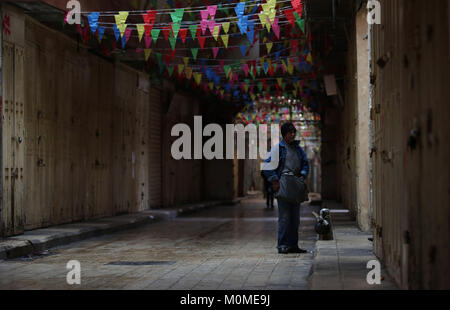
[(294, 92), (198, 78), (280, 81), (121, 18), (309, 58), (211, 86), (188, 73), (290, 68), (186, 61), (226, 27), (180, 68), (140, 30), (269, 47), (225, 38), (216, 32), (147, 53)]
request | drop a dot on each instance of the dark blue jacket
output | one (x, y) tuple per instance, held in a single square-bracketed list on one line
[(272, 175)]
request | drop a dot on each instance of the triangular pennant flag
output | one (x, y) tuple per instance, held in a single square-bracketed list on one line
[(215, 51), (290, 16), (175, 27), (216, 32), (93, 21), (186, 61), (194, 52), (148, 41), (147, 53), (279, 80), (243, 49), (183, 33), (188, 73), (240, 8), (203, 26), (170, 70), (180, 68), (101, 32), (193, 30), (116, 32), (201, 41), (276, 28), (173, 42), (204, 14), (140, 30), (225, 38), (177, 16), (226, 27), (198, 78), (212, 10), (149, 17), (155, 34), (269, 47), (166, 33), (121, 18)]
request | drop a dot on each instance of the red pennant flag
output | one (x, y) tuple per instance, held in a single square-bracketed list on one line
[(201, 41), (183, 33), (166, 32), (149, 18), (290, 16), (148, 30)]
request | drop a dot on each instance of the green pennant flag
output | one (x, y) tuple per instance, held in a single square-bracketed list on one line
[(193, 30), (177, 16), (260, 86), (155, 34), (258, 70), (251, 72), (170, 70), (194, 52), (300, 22), (176, 28), (173, 42)]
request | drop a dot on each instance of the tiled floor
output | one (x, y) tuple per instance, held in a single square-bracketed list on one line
[(226, 247)]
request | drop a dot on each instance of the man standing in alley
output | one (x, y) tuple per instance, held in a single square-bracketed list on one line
[(288, 182)]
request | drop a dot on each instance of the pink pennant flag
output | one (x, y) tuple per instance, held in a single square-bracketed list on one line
[(276, 28), (204, 14), (212, 10), (245, 68), (215, 51), (211, 25), (128, 33), (204, 26), (148, 41)]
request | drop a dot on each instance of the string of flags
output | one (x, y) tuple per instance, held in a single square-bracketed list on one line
[(272, 27)]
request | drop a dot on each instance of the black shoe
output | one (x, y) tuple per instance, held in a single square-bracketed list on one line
[(283, 250), (297, 250)]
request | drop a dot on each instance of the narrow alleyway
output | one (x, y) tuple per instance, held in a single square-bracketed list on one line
[(226, 247)]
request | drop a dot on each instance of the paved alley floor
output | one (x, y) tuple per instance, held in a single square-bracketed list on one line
[(224, 248)]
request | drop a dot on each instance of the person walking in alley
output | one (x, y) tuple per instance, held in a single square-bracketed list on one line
[(268, 192), (288, 182)]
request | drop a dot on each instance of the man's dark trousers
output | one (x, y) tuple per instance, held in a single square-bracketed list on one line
[(288, 224)]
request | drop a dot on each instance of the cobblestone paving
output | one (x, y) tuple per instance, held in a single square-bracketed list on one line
[(225, 247)]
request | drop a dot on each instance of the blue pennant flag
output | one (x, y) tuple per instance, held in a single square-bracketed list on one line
[(101, 32), (116, 32), (93, 21), (277, 55), (243, 49), (217, 80), (242, 23), (239, 9)]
